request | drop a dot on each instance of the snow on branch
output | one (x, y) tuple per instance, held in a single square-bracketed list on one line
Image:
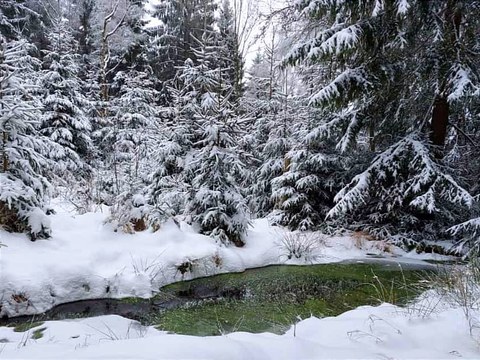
[(343, 82), (378, 8), (338, 42), (460, 82), (407, 173), (469, 231), (350, 134), (311, 7), (470, 226), (325, 130), (402, 7), (333, 41)]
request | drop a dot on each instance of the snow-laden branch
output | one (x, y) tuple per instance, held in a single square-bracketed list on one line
[(333, 41), (348, 79), (419, 181), (460, 82)]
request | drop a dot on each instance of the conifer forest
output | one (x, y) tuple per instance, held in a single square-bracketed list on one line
[(239, 179), (324, 115)]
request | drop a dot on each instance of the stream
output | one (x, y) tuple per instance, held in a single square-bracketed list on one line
[(270, 299)]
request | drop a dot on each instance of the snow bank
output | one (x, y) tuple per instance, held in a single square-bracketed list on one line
[(384, 332), (86, 259)]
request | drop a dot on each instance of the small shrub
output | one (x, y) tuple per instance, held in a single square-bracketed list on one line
[(152, 268), (460, 286), (217, 260), (185, 267), (20, 298), (298, 245)]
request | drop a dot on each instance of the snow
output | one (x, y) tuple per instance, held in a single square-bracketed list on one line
[(335, 88), (383, 332), (402, 7), (425, 176), (460, 83), (86, 259)]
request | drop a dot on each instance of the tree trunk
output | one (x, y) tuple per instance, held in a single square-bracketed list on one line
[(371, 137), (438, 126), (4, 152)]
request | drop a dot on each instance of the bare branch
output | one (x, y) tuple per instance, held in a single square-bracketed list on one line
[(466, 136)]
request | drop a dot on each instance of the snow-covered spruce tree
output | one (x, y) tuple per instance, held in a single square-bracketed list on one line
[(133, 134), (255, 104), (469, 233), (63, 119), (116, 26), (270, 100), (181, 23), (280, 120), (402, 187), (214, 202), (25, 153), (230, 57), (16, 16), (398, 70), (168, 187), (313, 172), (269, 139)]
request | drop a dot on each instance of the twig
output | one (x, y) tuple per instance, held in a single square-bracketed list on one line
[(466, 136)]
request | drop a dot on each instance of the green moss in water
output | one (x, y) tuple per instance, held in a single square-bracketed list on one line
[(26, 326), (132, 300), (275, 297), (38, 333)]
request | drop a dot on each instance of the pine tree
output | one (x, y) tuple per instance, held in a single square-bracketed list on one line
[(202, 157), (397, 72), (133, 134), (25, 153), (169, 183), (183, 24), (63, 119)]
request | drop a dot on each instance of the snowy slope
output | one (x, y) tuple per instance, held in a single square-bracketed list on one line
[(85, 259), (384, 332)]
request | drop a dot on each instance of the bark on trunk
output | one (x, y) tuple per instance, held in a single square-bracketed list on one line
[(438, 126), (371, 137), (4, 152)]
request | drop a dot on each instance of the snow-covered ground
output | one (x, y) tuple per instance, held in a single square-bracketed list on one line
[(86, 259), (384, 332)]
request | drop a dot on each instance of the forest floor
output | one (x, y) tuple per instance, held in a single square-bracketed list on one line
[(86, 259), (383, 332)]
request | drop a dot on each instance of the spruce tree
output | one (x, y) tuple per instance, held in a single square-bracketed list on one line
[(397, 73), (183, 24), (215, 203), (271, 136), (25, 153), (169, 183), (63, 119), (203, 156), (134, 136), (469, 234), (311, 174), (230, 58)]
